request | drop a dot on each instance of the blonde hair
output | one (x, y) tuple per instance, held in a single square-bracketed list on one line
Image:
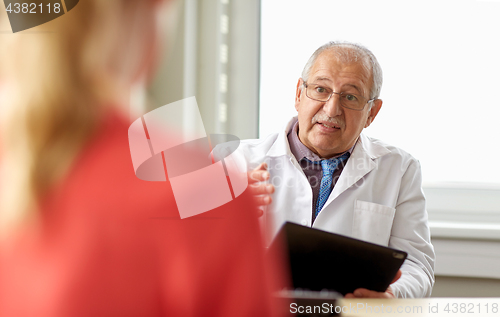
[(62, 75)]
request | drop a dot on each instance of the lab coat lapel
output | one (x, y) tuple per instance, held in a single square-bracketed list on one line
[(363, 159), (281, 147)]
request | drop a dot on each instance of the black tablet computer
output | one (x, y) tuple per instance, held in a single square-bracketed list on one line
[(321, 260)]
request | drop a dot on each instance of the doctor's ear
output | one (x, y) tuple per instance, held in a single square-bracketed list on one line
[(298, 93), (377, 104)]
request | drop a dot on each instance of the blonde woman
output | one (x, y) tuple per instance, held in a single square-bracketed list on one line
[(80, 235)]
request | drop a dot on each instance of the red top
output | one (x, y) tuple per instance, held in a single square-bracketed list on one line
[(110, 244)]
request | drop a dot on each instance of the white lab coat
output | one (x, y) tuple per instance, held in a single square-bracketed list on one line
[(378, 198)]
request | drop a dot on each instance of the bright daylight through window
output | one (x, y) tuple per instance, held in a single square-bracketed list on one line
[(441, 87)]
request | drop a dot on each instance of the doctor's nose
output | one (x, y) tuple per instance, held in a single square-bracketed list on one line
[(332, 107)]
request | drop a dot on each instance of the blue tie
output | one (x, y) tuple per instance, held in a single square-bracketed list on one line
[(329, 167)]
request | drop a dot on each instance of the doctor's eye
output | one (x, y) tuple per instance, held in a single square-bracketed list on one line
[(351, 97), (321, 90)]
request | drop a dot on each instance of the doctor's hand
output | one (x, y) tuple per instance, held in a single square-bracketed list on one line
[(364, 293), (260, 190)]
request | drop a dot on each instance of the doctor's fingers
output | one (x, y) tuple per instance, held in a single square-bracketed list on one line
[(261, 189), (365, 293), (397, 276), (259, 174), (263, 200)]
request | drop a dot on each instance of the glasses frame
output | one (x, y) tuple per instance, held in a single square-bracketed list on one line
[(340, 94)]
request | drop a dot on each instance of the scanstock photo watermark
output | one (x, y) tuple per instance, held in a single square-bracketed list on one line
[(355, 308), (24, 15), (403, 307)]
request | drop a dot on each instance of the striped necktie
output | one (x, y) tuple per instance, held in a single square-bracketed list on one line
[(329, 167)]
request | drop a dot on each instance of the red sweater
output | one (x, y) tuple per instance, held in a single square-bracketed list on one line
[(109, 244)]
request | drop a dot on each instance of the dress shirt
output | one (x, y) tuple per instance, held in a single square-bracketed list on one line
[(309, 162)]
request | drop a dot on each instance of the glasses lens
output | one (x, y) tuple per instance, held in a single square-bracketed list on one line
[(352, 101), (321, 93), (318, 93)]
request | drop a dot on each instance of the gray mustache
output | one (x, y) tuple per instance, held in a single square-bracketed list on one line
[(320, 117)]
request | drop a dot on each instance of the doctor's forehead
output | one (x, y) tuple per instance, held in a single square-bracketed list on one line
[(320, 79), (352, 75), (329, 63)]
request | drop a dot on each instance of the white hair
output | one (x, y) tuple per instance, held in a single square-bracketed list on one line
[(348, 52)]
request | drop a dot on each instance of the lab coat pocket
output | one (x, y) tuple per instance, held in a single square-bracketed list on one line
[(372, 222)]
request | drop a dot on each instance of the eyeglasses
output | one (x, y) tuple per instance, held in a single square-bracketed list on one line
[(323, 94)]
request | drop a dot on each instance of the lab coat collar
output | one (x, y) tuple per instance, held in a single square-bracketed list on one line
[(372, 148), (281, 146), (363, 160)]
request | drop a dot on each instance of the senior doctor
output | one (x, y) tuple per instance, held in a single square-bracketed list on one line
[(323, 172)]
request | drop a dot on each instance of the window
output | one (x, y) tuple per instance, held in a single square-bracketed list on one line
[(441, 88)]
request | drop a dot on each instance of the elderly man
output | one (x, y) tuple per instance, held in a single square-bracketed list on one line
[(322, 171)]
